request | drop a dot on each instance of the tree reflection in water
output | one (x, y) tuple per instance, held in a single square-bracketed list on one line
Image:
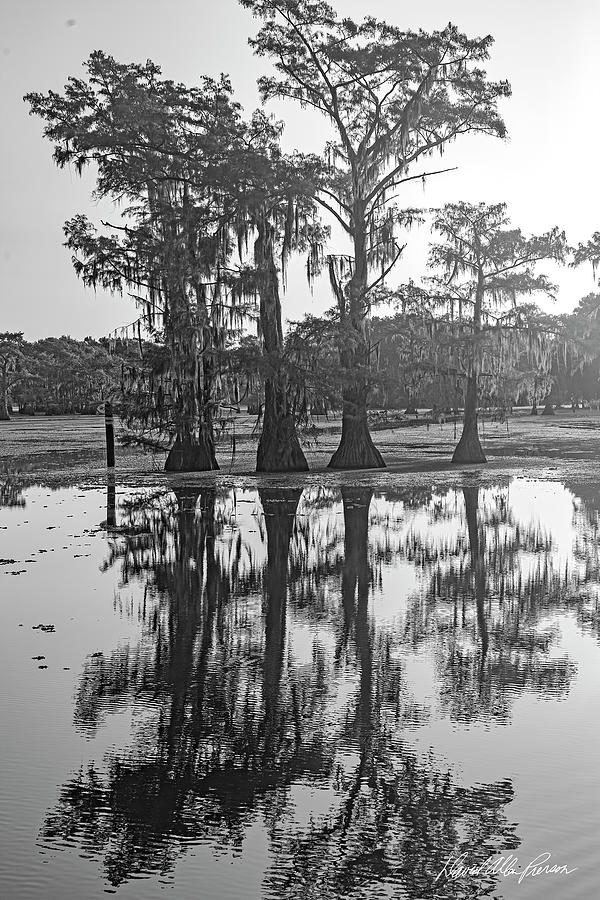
[(12, 487), (264, 675), (489, 593)]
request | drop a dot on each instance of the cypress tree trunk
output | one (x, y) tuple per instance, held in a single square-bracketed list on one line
[(194, 446), (4, 413), (356, 449), (192, 453), (279, 448), (469, 449)]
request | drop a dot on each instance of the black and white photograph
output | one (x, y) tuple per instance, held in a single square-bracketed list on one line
[(299, 450)]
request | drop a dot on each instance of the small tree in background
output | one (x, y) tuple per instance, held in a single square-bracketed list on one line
[(487, 266)]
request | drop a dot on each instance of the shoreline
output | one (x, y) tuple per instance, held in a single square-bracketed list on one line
[(70, 449)]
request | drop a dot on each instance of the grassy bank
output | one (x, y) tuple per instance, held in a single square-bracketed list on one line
[(51, 446)]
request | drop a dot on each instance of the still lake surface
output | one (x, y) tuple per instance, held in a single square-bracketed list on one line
[(285, 693)]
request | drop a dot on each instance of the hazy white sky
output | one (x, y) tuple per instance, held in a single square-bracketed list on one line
[(547, 171)]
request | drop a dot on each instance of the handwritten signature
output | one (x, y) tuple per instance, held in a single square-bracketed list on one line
[(507, 866)]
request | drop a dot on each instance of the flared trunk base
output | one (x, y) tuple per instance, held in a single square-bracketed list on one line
[(279, 448), (469, 449), (191, 456), (356, 449)]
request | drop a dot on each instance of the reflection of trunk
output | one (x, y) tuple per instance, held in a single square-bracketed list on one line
[(213, 597), (469, 449), (4, 413), (184, 589), (356, 577), (471, 495), (365, 651), (280, 512), (156, 787), (111, 517), (279, 449), (356, 567), (356, 449), (185, 583)]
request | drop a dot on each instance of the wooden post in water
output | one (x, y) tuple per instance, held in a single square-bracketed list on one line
[(111, 518), (110, 435)]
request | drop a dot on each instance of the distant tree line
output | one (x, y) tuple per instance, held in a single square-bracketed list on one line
[(60, 375)]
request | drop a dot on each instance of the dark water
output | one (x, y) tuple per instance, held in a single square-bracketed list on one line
[(282, 693)]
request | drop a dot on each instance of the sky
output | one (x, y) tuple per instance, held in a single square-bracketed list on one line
[(546, 171)]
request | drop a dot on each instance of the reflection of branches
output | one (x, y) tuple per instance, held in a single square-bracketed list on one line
[(485, 607), (396, 822), (263, 670), (12, 487)]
